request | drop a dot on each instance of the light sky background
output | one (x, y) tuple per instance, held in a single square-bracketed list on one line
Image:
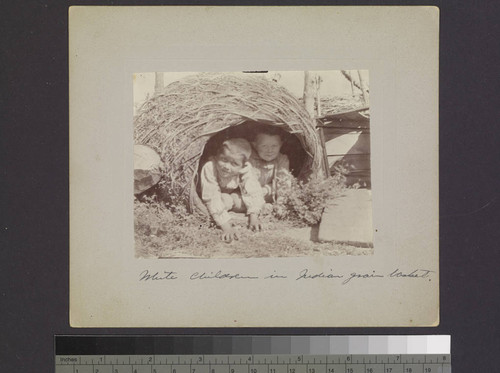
[(334, 83)]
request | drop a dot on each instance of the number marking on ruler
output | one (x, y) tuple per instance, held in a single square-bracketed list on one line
[(253, 364)]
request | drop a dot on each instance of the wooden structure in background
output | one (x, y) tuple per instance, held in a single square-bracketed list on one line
[(346, 140)]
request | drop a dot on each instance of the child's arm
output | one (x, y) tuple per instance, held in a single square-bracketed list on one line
[(211, 194), (283, 171), (283, 163), (267, 189), (252, 196), (212, 197)]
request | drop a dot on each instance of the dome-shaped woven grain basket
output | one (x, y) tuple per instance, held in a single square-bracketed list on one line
[(178, 123)]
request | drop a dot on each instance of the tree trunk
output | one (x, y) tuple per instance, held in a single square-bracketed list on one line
[(309, 93), (317, 85), (158, 83), (364, 89)]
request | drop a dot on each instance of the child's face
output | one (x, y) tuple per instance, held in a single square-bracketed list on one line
[(229, 164), (267, 146)]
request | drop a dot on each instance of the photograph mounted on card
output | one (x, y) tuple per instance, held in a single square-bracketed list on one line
[(285, 181), (252, 164)]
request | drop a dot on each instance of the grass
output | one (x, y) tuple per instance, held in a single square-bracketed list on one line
[(161, 233)]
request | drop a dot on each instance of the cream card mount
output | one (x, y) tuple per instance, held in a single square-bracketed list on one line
[(396, 285)]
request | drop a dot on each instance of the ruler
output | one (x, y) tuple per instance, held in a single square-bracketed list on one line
[(254, 363)]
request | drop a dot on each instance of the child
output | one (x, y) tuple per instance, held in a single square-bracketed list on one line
[(228, 183), (269, 164)]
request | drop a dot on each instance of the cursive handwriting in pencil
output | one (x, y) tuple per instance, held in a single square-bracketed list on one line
[(274, 275), (355, 275), (219, 275), (417, 273), (304, 274), (167, 275)]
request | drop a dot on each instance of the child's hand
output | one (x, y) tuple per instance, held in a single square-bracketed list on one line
[(254, 223), (266, 190), (228, 232), (245, 171), (267, 209)]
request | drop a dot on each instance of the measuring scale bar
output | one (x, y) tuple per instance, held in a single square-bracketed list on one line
[(183, 355), (254, 364)]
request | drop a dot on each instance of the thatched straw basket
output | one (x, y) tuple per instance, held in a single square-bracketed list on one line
[(190, 117)]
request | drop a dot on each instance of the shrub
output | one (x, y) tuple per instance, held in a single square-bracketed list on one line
[(304, 202)]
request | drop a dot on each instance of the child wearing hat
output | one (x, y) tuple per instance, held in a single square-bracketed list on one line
[(228, 183)]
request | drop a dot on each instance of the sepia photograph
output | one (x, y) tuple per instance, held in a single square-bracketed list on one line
[(244, 173), (252, 164)]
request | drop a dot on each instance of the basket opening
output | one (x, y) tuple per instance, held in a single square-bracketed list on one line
[(291, 144), (247, 130)]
